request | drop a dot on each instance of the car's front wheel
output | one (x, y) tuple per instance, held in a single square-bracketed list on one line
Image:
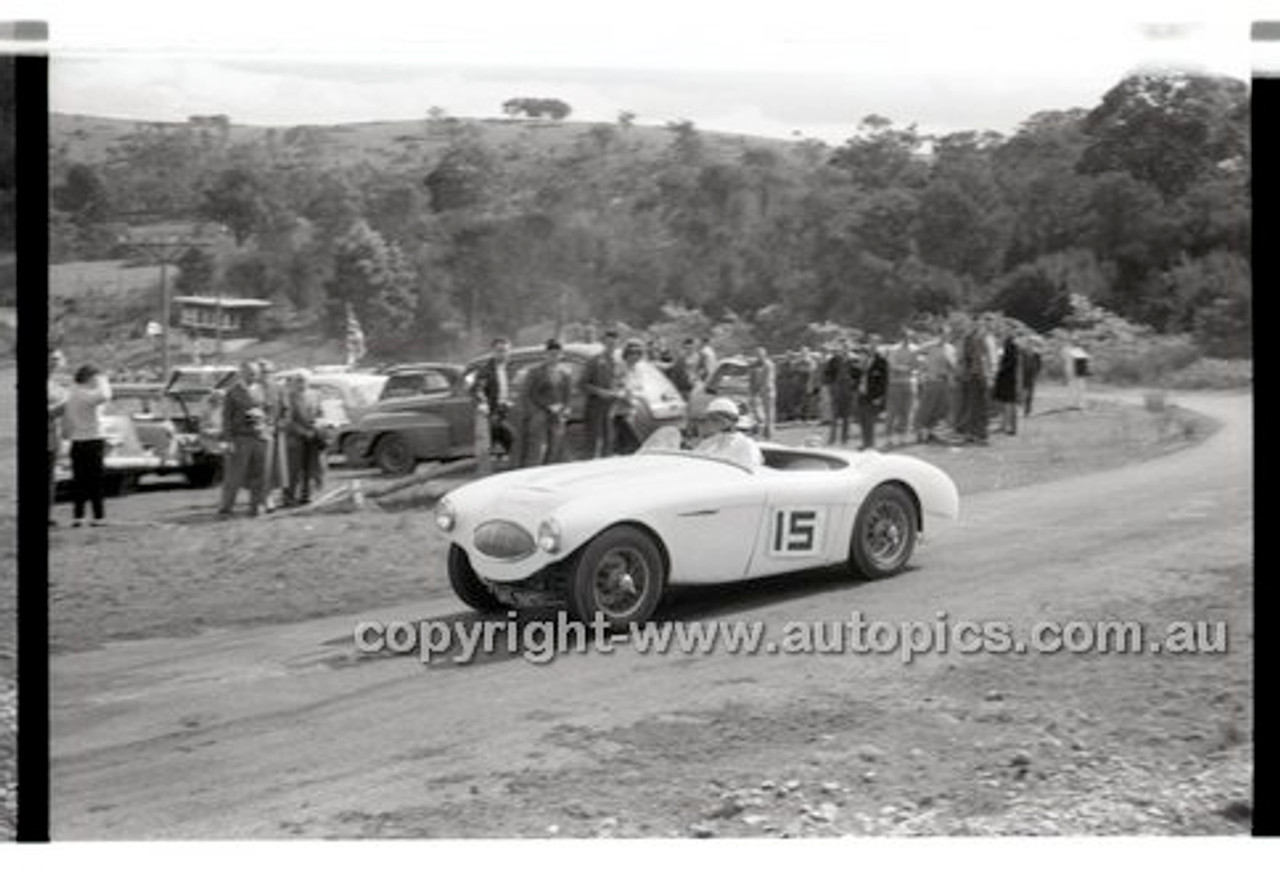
[(620, 575), (393, 456), (352, 448), (884, 533), (467, 585)]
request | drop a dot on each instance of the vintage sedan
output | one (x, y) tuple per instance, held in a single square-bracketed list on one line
[(427, 412), (155, 429), (607, 536)]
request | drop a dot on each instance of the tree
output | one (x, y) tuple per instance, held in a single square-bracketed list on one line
[(881, 156), (236, 200), (1166, 129), (1031, 295), (536, 108), (82, 195), (195, 271), (374, 278)]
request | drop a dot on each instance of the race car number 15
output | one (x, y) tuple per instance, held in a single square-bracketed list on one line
[(796, 532)]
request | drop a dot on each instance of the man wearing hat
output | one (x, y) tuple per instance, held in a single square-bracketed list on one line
[(546, 407)]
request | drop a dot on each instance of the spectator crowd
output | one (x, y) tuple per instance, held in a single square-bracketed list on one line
[(945, 387)]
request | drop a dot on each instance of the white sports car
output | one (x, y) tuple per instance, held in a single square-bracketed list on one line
[(607, 536)]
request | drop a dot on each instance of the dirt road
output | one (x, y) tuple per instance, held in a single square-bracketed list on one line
[(283, 730)]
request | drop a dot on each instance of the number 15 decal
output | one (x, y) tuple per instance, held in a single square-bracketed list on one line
[(796, 532)]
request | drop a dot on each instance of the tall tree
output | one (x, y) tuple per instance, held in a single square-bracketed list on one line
[(1166, 129)]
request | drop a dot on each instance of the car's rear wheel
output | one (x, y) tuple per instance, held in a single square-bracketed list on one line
[(393, 456), (467, 585), (884, 533), (620, 576)]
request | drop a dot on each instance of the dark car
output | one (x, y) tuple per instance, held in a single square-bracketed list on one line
[(424, 412), (427, 411)]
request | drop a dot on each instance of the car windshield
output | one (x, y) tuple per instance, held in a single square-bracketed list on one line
[(360, 389)]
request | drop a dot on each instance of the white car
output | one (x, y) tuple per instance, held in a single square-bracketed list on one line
[(607, 536)]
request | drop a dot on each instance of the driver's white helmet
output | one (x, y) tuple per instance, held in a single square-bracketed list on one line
[(723, 407)]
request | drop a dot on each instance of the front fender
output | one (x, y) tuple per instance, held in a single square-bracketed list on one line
[(426, 433)]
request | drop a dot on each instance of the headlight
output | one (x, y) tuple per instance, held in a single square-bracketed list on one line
[(549, 535), (446, 516)]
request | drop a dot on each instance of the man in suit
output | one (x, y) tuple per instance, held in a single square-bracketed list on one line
[(547, 392), (245, 430), (601, 381), (493, 394), (838, 377), (872, 372)]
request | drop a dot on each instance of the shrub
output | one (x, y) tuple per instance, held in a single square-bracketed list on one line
[(1212, 373)]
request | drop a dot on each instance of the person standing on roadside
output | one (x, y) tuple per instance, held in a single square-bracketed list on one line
[(82, 422), (810, 384), (973, 386), (838, 377), (304, 443), (275, 467), (1008, 385), (244, 431), (872, 372), (707, 361), (684, 369), (1031, 363), (600, 382), (763, 391), (547, 393), (494, 396), (626, 436), (935, 390), (56, 400), (903, 363)]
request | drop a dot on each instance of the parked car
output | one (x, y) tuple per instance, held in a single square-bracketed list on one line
[(427, 411), (159, 429), (731, 379), (423, 412), (607, 536), (343, 395)]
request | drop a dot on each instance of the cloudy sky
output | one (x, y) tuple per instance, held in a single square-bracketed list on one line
[(812, 67)]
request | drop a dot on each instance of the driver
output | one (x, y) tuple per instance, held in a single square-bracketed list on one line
[(725, 441)]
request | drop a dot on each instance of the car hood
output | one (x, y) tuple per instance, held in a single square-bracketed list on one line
[(629, 480)]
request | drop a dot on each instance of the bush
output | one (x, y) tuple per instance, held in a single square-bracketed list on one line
[(1212, 373), (1120, 351)]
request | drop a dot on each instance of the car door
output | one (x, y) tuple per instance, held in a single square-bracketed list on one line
[(803, 522)]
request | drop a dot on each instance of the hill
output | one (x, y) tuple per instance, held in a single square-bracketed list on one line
[(91, 140)]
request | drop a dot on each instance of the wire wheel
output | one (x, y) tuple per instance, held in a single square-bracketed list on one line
[(884, 535), (620, 576)]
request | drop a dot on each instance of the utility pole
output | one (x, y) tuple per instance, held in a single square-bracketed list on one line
[(165, 249)]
